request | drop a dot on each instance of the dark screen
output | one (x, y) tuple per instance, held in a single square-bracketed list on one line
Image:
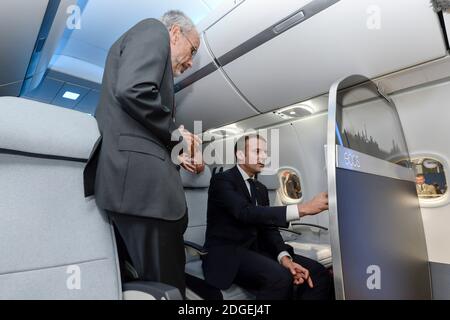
[(380, 224)]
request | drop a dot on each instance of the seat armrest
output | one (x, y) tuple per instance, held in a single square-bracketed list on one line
[(309, 225), (290, 235), (195, 249), (290, 231), (146, 290), (130, 273)]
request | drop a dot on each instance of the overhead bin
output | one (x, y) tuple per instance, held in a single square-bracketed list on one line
[(213, 101), (202, 60), (17, 39), (248, 20), (204, 94), (277, 55)]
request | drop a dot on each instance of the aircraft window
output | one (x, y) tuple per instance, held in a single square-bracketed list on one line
[(430, 178), (291, 189)]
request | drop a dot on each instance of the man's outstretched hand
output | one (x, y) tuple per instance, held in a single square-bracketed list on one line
[(318, 204)]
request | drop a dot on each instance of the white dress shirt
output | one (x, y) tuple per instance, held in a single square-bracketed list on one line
[(291, 210)]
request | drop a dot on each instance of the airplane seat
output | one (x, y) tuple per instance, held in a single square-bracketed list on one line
[(55, 243), (196, 191), (302, 245), (272, 184)]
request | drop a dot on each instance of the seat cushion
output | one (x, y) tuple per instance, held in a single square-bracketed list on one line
[(309, 246), (195, 281), (319, 252)]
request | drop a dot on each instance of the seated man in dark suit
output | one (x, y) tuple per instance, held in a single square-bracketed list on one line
[(242, 238)]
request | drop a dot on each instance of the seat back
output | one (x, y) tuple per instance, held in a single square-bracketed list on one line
[(55, 244), (272, 184), (196, 191)]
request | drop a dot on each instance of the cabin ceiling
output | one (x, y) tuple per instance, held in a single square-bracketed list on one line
[(104, 21), (78, 63)]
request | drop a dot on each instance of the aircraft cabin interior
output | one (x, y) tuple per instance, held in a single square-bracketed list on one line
[(351, 96)]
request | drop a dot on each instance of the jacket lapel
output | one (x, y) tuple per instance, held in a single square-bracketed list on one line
[(261, 196), (241, 183)]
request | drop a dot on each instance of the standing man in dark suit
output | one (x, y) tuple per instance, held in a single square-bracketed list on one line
[(130, 169), (242, 238)]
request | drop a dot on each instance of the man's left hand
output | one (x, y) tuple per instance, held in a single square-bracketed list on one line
[(299, 273)]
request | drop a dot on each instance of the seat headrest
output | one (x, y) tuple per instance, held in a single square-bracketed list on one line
[(270, 181), (39, 128), (222, 168), (191, 180)]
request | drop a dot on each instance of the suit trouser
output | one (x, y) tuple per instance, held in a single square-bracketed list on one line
[(155, 247), (269, 280)]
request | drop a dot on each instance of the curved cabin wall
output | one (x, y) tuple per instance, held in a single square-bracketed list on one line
[(424, 113), (17, 40), (205, 94), (51, 35)]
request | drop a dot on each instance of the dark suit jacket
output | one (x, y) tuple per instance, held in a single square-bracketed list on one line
[(233, 223), (131, 167)]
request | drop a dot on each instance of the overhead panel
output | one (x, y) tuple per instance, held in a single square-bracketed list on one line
[(212, 101), (89, 103), (46, 91), (318, 42), (20, 21), (205, 94), (202, 64), (247, 21), (70, 95)]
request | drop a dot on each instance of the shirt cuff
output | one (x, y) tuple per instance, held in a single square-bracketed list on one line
[(283, 254), (292, 213)]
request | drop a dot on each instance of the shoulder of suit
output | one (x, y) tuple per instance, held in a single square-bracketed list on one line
[(151, 24), (225, 175)]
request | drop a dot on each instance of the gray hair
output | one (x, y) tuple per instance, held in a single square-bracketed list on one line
[(176, 17), (440, 5)]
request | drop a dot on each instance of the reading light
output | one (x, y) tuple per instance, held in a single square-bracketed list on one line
[(297, 111), (71, 95)]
